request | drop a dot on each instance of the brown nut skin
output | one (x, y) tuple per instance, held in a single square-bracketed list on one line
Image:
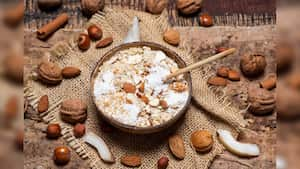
[(172, 37), (188, 7), (104, 42), (261, 101), (53, 131), (223, 71), (202, 140), (79, 130), (70, 72), (269, 83), (253, 65), (206, 20), (43, 104), (95, 32), (73, 111), (234, 75), (176, 146), (49, 73), (131, 160), (90, 7), (163, 163), (217, 81), (84, 42), (62, 155), (156, 6)]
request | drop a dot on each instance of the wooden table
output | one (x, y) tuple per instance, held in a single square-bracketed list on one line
[(257, 16)]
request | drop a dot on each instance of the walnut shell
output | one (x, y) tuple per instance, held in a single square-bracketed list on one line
[(188, 7), (253, 65), (261, 101), (156, 6), (73, 111), (49, 73), (90, 7)]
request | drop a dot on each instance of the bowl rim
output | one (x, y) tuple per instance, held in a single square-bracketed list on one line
[(135, 129)]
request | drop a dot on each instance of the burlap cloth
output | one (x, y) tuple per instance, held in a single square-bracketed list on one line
[(207, 111)]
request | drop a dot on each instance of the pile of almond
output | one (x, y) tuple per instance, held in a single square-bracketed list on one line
[(224, 73)]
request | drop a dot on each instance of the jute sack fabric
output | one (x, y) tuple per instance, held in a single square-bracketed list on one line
[(207, 110)]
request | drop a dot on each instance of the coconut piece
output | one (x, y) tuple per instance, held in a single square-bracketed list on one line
[(235, 147), (134, 32), (101, 147)]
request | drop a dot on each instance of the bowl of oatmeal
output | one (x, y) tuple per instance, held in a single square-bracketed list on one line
[(129, 91)]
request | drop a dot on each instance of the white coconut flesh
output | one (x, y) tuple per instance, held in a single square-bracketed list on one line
[(236, 147)]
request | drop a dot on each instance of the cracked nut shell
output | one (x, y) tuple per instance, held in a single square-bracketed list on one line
[(188, 7), (261, 101), (73, 111), (253, 65), (49, 73), (156, 6)]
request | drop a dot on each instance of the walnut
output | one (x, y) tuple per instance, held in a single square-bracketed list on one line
[(261, 101), (90, 7), (253, 65), (73, 111), (49, 73), (188, 7), (156, 6)]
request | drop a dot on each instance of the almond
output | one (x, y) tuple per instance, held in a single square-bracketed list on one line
[(104, 42), (163, 104), (143, 98), (269, 83), (234, 75), (131, 160), (217, 81), (70, 72), (179, 86), (43, 104), (177, 146), (142, 87), (223, 71), (129, 88), (128, 101)]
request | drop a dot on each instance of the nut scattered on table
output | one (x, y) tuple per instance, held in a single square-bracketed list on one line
[(261, 101), (53, 131), (79, 130), (47, 5), (223, 71), (84, 42), (90, 7), (202, 140), (104, 42), (217, 81), (70, 72), (253, 64), (95, 32), (43, 104), (188, 7), (172, 37), (206, 20), (131, 160), (156, 6), (163, 163), (176, 146), (49, 73), (62, 155), (269, 83), (234, 75), (73, 111)]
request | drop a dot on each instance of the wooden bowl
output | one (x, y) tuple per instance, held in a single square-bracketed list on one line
[(133, 129)]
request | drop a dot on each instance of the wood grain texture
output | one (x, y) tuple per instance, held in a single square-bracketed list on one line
[(225, 12)]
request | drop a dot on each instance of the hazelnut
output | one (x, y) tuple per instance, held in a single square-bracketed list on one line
[(223, 71), (253, 65), (188, 7), (84, 42), (53, 131), (94, 32), (206, 20), (261, 101), (79, 130), (62, 155), (202, 140), (162, 163), (90, 7), (156, 6), (172, 37)]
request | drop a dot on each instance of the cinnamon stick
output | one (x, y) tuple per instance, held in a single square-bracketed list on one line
[(53, 26)]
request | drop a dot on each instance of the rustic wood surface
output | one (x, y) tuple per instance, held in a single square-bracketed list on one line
[(225, 12)]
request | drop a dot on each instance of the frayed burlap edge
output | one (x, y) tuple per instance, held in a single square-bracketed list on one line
[(203, 94)]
